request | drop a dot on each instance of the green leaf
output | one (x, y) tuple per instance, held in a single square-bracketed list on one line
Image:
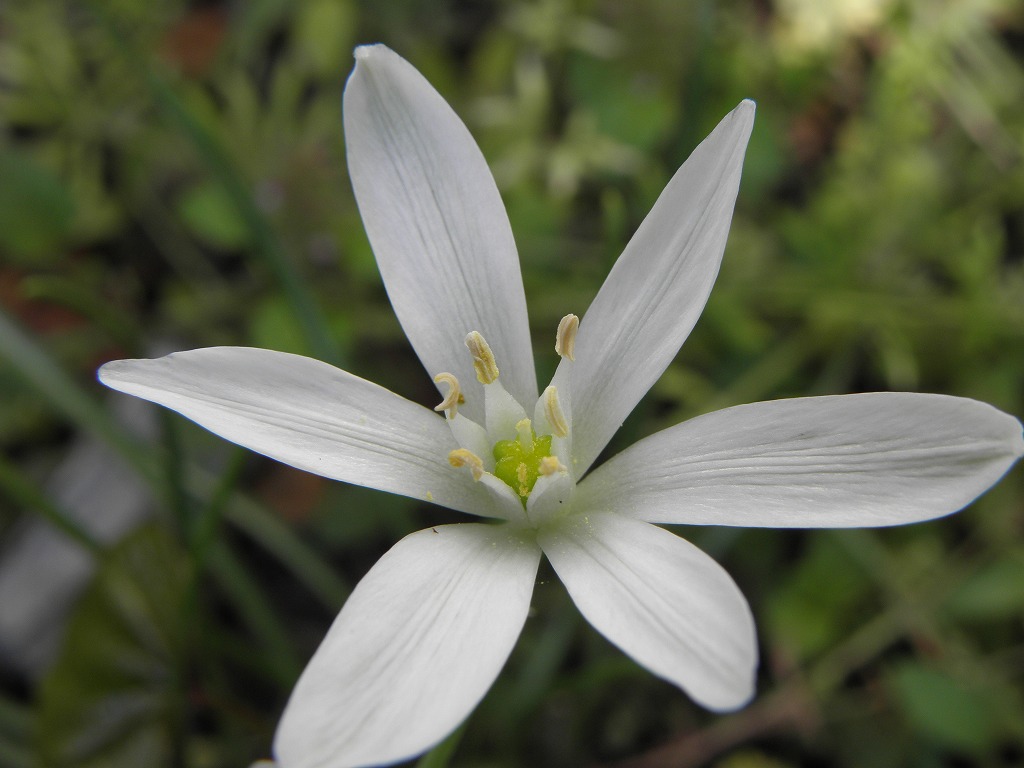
[(211, 215), (323, 33), (813, 608), (112, 697), (633, 107), (943, 709), (36, 208), (15, 734), (751, 759), (995, 591), (273, 325)]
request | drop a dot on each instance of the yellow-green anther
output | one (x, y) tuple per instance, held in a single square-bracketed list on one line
[(453, 398), (460, 457), (565, 337), (483, 359), (554, 413)]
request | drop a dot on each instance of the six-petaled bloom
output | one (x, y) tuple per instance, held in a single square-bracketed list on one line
[(426, 632)]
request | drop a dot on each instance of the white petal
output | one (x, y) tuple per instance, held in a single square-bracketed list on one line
[(413, 651), (656, 291), (503, 412), (503, 500), (844, 461), (662, 601), (560, 446), (310, 415), (471, 436), (551, 497), (437, 225)]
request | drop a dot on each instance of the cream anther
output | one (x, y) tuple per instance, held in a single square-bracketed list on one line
[(453, 398), (483, 359), (549, 465), (460, 457), (554, 413), (565, 337)]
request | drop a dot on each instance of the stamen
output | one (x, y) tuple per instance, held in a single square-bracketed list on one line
[(549, 465), (554, 413), (460, 457), (523, 476), (483, 359), (524, 430), (565, 337), (453, 398)]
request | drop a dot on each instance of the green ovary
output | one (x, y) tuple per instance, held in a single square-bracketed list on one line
[(519, 466)]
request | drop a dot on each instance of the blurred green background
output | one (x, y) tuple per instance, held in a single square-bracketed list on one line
[(172, 175)]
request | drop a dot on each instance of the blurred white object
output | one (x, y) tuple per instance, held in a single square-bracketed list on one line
[(42, 570)]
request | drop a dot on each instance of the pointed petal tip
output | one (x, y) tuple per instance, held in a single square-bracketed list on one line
[(732, 701), (657, 288), (118, 373), (744, 112), (105, 370), (436, 222), (369, 58), (668, 605), (363, 52), (736, 689), (1005, 426), (867, 460), (110, 372)]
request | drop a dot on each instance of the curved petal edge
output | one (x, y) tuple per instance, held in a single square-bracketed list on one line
[(437, 225), (416, 646), (307, 414), (657, 289), (662, 601), (842, 461)]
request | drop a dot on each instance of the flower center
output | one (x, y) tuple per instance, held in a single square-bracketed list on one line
[(518, 462), (524, 452)]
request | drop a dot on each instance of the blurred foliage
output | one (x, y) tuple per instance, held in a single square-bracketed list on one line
[(124, 645), (172, 175)]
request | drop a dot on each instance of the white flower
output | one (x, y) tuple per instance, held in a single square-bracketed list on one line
[(427, 630)]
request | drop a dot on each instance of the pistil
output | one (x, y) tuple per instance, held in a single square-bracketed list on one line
[(518, 462)]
